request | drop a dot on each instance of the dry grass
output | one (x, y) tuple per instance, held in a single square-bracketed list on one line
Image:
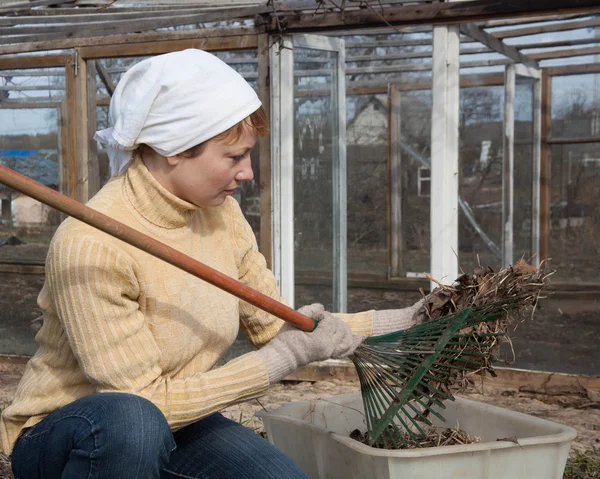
[(521, 282), (436, 437), (5, 470)]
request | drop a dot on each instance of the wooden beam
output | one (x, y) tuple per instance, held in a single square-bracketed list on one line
[(349, 59), (526, 71), (266, 192), (42, 61), (21, 269), (92, 16), (400, 56), (432, 14), (393, 43), (403, 67), (70, 166), (542, 382), (20, 7), (32, 73), (81, 130), (93, 167), (553, 27), (573, 141), (519, 21), (574, 69), (63, 146), (574, 52), (488, 24), (476, 33), (156, 48), (13, 87), (116, 41), (105, 78), (372, 87), (545, 166), (10, 104), (205, 4), (561, 43), (12, 35), (444, 154)]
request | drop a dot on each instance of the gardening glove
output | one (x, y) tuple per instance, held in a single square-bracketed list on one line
[(390, 320), (292, 348)]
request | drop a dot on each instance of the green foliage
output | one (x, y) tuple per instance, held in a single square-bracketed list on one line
[(583, 466)]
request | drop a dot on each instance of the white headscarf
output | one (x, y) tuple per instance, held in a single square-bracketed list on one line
[(173, 102)]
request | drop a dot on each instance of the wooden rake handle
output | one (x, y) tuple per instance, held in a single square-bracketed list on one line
[(151, 246)]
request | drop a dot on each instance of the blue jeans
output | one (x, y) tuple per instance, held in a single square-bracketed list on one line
[(123, 436)]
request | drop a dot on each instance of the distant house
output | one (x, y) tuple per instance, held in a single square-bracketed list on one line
[(370, 125), (18, 210)]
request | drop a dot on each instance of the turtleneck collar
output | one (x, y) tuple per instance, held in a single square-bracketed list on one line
[(152, 201)]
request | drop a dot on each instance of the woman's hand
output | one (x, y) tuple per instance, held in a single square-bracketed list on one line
[(292, 348), (390, 320)]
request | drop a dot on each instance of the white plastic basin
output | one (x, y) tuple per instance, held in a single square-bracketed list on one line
[(315, 434)]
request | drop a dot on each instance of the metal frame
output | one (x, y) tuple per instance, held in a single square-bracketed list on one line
[(282, 149), (508, 166), (396, 239), (511, 73), (536, 176)]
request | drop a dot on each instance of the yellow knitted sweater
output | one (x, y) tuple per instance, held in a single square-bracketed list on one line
[(118, 319)]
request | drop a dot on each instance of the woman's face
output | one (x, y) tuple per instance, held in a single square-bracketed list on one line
[(209, 177)]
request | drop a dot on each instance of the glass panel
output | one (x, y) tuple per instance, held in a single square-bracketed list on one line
[(575, 212), (314, 142), (415, 160), (480, 176), (523, 169), (576, 106), (30, 145), (367, 172), (32, 85)]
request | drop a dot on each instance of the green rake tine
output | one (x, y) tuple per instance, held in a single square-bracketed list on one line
[(402, 351), (383, 399), (408, 373), (394, 393), (429, 377), (371, 393), (421, 371), (369, 407)]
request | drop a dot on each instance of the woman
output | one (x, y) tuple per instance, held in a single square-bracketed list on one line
[(124, 383)]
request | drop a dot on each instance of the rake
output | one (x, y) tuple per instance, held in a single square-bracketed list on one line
[(404, 376)]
